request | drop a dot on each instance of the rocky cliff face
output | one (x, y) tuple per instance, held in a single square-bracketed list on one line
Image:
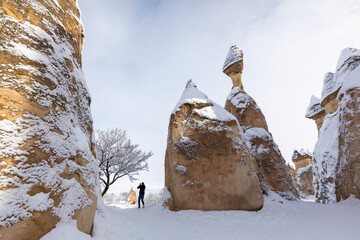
[(336, 161), (208, 163), (48, 171), (303, 173), (273, 172)]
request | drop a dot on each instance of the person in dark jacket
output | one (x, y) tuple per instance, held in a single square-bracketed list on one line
[(141, 194)]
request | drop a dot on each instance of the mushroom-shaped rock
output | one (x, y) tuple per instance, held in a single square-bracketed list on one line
[(233, 66), (273, 172), (208, 163), (316, 112)]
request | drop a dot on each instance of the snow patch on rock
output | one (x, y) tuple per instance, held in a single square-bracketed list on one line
[(314, 107), (234, 55), (211, 110)]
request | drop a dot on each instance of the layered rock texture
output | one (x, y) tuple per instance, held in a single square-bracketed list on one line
[(303, 173), (48, 173), (273, 172), (208, 163), (336, 161)]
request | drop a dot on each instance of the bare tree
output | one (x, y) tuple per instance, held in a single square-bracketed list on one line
[(118, 157)]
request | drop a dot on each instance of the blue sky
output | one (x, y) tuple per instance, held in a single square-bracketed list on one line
[(138, 56)]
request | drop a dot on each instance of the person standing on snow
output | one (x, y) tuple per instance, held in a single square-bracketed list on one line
[(141, 194)]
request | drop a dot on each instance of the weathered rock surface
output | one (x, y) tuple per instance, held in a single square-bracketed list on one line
[(336, 161), (303, 173), (273, 172), (48, 172), (208, 163)]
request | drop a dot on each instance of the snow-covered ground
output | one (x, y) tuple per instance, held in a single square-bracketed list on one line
[(279, 219)]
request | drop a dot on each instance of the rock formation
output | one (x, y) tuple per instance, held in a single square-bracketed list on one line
[(48, 172), (273, 172), (316, 112), (336, 162), (233, 66), (132, 197), (208, 163), (303, 173)]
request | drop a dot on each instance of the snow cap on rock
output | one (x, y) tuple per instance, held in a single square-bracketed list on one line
[(314, 107), (345, 55), (348, 73), (234, 55), (329, 85), (211, 110)]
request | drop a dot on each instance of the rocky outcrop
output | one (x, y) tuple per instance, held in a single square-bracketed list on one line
[(316, 112), (336, 153), (273, 172), (303, 173), (48, 172), (208, 163), (132, 197)]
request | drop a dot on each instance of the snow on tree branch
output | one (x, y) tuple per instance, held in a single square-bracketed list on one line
[(118, 157)]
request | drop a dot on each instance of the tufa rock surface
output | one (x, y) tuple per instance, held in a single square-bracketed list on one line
[(336, 162), (208, 163), (48, 173), (303, 173), (273, 172)]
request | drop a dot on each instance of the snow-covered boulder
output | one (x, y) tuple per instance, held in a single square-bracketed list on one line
[(336, 162), (303, 174), (233, 66), (208, 163), (48, 173), (273, 172)]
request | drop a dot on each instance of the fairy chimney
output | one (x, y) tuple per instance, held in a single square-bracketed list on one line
[(233, 66), (273, 172)]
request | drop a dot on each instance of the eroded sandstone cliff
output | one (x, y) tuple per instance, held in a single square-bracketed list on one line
[(48, 171)]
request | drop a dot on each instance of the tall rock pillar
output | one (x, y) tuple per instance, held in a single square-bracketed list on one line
[(273, 172), (233, 66), (48, 173)]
